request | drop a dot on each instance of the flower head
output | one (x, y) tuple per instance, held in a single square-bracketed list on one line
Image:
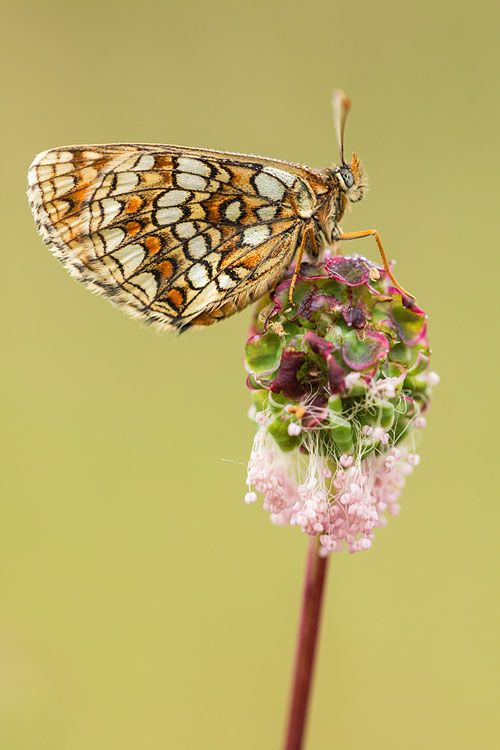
[(340, 381)]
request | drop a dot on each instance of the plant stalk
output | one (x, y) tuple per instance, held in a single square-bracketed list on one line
[(306, 646)]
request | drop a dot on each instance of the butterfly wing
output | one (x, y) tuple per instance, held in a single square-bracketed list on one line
[(174, 235)]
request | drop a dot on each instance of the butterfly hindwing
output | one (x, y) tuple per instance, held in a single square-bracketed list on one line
[(174, 235)]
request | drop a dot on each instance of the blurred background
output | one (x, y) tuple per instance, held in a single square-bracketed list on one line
[(142, 603)]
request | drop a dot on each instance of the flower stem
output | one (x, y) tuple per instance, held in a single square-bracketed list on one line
[(306, 646)]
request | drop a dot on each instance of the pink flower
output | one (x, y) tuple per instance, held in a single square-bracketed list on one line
[(339, 383), (344, 507)]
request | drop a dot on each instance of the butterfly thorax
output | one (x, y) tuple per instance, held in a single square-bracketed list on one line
[(330, 213), (345, 183)]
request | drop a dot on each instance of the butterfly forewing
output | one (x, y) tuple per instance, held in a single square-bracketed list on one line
[(174, 235)]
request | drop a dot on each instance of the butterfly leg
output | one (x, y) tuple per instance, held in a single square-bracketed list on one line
[(374, 233), (307, 232)]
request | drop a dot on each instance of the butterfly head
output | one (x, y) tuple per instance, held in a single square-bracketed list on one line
[(351, 177)]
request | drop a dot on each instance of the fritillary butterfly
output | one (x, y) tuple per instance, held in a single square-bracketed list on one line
[(186, 236)]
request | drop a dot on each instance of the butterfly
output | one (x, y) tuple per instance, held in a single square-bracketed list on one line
[(186, 236)]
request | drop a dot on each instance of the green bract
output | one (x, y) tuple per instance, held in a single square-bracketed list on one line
[(350, 350)]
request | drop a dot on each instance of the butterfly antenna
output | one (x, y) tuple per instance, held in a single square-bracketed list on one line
[(341, 106)]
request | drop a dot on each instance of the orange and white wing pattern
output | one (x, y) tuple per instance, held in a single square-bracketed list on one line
[(177, 236)]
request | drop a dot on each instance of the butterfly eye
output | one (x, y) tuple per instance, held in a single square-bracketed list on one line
[(347, 177)]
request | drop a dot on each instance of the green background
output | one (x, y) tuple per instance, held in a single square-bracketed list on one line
[(143, 604)]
